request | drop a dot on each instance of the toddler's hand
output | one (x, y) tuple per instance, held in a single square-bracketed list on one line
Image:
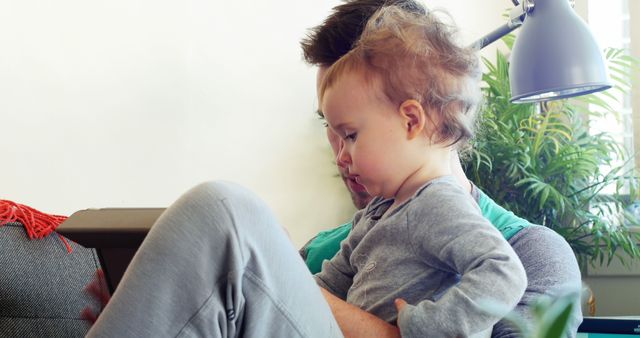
[(400, 304)]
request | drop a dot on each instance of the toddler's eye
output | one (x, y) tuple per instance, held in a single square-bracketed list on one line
[(350, 137)]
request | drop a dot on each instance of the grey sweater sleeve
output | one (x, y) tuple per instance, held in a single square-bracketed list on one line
[(336, 274), (450, 234)]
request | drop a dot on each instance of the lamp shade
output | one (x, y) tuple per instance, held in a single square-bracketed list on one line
[(555, 56)]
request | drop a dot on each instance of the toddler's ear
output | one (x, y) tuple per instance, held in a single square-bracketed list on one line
[(414, 118)]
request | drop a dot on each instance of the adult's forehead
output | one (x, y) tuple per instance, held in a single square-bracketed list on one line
[(322, 71)]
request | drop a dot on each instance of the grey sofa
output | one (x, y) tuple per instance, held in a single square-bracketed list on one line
[(42, 285)]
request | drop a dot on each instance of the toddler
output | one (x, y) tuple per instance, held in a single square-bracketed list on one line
[(401, 101)]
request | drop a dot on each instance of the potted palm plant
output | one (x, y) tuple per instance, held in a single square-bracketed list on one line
[(541, 162)]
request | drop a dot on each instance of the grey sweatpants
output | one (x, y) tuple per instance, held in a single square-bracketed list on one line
[(217, 264)]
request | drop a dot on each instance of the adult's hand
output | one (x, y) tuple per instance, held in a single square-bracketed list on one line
[(355, 322), (97, 289)]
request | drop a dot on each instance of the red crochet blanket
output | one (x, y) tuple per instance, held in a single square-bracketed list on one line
[(36, 223)]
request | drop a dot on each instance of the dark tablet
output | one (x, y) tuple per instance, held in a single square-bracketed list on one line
[(609, 327)]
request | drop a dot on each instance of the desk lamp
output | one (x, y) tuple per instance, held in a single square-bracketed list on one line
[(555, 55)]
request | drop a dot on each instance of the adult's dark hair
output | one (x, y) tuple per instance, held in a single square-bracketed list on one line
[(326, 43)]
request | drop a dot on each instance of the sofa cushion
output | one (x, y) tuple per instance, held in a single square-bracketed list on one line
[(42, 285)]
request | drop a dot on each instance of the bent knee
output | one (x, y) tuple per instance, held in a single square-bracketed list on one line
[(213, 191), (548, 259), (222, 199), (201, 206)]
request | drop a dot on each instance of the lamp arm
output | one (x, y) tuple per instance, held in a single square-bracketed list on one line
[(494, 35), (516, 18)]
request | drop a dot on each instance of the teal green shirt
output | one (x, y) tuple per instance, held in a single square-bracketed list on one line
[(327, 243), (324, 246), (504, 220)]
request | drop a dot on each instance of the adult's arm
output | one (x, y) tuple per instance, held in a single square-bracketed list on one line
[(355, 322)]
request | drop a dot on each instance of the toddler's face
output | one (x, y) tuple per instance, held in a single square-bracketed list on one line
[(358, 192), (373, 137)]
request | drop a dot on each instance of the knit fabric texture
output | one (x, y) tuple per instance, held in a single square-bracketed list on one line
[(42, 285)]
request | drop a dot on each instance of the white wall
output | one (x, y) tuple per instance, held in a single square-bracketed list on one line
[(130, 103)]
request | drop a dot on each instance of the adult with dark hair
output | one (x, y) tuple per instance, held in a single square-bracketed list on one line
[(548, 260), (217, 263)]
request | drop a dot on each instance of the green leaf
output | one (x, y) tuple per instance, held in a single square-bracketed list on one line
[(558, 316)]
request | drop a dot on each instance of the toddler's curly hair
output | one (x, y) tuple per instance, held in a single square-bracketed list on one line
[(416, 56)]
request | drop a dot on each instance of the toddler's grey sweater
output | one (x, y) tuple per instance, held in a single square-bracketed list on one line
[(435, 251)]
